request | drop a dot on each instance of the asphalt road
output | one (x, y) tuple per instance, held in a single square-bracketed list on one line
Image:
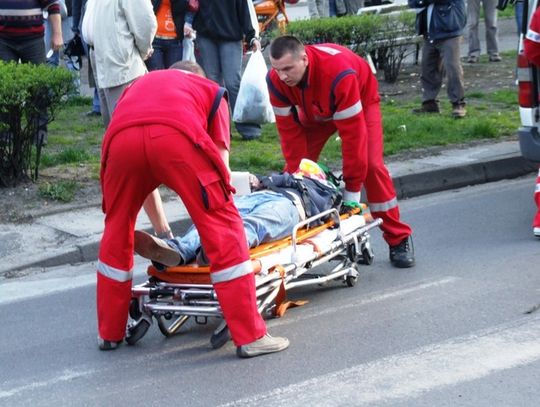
[(452, 331)]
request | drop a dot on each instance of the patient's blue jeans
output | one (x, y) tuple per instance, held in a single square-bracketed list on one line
[(266, 215)]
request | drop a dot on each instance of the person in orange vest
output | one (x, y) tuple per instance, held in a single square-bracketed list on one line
[(531, 44), (316, 90), (172, 127)]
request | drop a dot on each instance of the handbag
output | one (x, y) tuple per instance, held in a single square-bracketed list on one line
[(193, 6)]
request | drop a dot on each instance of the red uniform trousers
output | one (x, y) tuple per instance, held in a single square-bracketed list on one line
[(139, 159), (536, 221), (379, 186)]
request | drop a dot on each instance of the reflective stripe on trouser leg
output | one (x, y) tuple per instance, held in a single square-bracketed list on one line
[(536, 221), (112, 307), (379, 186), (238, 302)]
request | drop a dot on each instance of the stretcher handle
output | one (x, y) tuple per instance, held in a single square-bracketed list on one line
[(333, 212)]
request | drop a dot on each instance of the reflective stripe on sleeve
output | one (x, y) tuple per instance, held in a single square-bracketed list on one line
[(282, 111), (113, 273), (349, 112), (532, 35), (232, 273), (383, 206), (537, 189)]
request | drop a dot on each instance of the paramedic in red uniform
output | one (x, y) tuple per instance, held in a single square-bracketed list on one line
[(317, 90), (171, 127), (532, 51)]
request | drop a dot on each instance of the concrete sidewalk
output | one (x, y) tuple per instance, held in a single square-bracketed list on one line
[(73, 237)]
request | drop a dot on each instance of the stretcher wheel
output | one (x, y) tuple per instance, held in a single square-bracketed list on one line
[(351, 280), (136, 331), (367, 256), (220, 336), (168, 328), (134, 310)]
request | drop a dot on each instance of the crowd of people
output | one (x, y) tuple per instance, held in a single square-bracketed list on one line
[(168, 122)]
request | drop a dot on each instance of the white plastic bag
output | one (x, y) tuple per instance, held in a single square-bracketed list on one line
[(253, 101)]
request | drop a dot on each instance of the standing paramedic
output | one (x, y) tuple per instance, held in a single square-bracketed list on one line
[(171, 127), (317, 90)]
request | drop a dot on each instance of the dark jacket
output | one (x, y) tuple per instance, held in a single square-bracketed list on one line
[(178, 9), (225, 20), (448, 18), (315, 196)]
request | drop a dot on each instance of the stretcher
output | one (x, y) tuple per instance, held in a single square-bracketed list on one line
[(173, 296)]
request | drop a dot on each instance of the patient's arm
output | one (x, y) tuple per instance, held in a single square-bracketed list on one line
[(153, 206)]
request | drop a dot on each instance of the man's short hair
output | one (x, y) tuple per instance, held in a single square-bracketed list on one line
[(189, 66), (286, 44)]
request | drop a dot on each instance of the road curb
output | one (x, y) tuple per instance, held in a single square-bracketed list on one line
[(423, 183)]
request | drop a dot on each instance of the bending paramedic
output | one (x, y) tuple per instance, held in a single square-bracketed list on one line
[(172, 127), (316, 90)]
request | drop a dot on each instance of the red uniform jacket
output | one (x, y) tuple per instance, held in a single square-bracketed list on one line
[(193, 105), (532, 39), (337, 87)]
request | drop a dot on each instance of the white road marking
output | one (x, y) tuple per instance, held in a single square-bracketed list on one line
[(408, 375), (66, 376)]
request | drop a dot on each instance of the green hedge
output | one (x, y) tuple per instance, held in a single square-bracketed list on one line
[(29, 97), (387, 38)]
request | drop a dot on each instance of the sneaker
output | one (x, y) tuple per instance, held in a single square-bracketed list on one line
[(262, 346), (92, 113), (402, 255), (536, 231), (156, 249), (458, 110), (473, 59), (495, 58), (428, 106), (104, 344)]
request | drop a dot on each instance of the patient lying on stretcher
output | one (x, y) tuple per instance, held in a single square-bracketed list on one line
[(270, 212)]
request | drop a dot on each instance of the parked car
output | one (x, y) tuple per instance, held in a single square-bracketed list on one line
[(528, 76)]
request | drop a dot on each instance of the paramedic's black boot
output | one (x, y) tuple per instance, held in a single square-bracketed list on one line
[(402, 255), (157, 250), (262, 346), (104, 344)]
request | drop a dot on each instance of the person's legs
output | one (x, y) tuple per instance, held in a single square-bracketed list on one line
[(105, 113), (431, 72), (173, 52), (266, 216), (111, 98), (473, 16), (450, 51), (490, 19), (322, 8), (184, 168), (157, 60), (379, 186), (536, 221), (7, 51), (208, 58), (126, 181), (313, 9), (230, 55)]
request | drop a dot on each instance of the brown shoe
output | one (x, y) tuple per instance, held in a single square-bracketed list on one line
[(458, 110), (429, 106), (156, 249)]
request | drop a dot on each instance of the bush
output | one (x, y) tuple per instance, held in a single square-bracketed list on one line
[(29, 97), (387, 38)]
